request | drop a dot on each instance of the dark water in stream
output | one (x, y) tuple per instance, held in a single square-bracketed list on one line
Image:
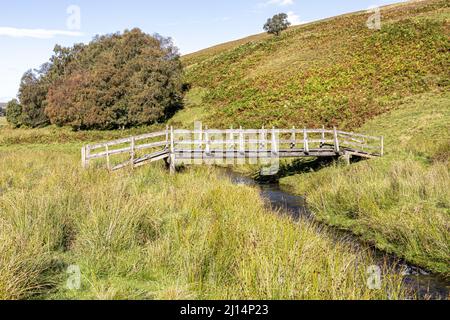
[(424, 284)]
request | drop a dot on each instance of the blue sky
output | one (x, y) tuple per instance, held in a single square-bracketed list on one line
[(29, 29)]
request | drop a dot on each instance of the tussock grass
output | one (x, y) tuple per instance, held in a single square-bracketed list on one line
[(148, 235), (400, 202)]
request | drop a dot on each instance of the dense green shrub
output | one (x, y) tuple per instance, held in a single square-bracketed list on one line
[(32, 95), (14, 113)]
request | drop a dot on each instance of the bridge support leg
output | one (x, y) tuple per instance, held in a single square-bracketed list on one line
[(347, 158), (172, 166)]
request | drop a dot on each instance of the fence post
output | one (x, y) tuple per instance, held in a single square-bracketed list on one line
[(132, 152), (83, 158), (108, 161), (337, 148), (305, 137), (172, 152), (382, 146)]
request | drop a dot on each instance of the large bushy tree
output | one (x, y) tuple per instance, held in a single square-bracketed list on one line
[(277, 24), (118, 80)]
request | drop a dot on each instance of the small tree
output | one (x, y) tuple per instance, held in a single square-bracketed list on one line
[(277, 24), (32, 95), (14, 113)]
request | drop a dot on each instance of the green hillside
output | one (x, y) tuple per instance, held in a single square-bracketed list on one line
[(331, 72)]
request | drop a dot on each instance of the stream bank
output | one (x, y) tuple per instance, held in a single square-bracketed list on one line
[(425, 285)]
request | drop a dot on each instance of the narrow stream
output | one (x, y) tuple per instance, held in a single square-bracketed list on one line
[(424, 284)]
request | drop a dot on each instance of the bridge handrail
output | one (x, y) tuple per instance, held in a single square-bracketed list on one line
[(127, 140), (203, 138)]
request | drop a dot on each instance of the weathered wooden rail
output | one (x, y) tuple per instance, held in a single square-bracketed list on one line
[(232, 146)]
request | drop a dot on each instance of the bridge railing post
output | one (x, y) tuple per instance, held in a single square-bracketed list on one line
[(108, 160), (230, 147), (337, 148), (200, 137), (241, 141), (240, 159), (207, 142), (172, 152), (293, 138), (167, 138), (322, 142), (274, 142), (84, 157), (306, 142), (132, 152), (263, 139)]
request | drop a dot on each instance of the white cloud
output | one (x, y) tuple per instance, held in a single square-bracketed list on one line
[(37, 33), (5, 99), (278, 3), (294, 18)]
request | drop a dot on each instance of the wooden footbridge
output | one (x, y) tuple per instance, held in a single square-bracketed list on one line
[(230, 147)]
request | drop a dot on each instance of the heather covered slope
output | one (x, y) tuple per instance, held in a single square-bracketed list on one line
[(332, 72)]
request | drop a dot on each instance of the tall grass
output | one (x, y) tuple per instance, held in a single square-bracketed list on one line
[(148, 235), (403, 207), (400, 202)]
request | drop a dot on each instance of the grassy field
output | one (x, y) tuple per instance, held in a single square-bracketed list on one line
[(148, 235), (400, 202), (332, 72)]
